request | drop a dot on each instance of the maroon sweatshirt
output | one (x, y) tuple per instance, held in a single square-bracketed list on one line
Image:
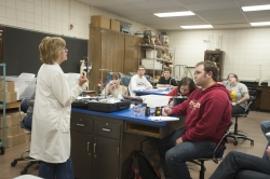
[(207, 114)]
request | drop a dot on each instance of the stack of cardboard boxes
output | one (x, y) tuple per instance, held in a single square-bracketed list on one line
[(13, 132), (10, 129), (11, 95), (105, 23)]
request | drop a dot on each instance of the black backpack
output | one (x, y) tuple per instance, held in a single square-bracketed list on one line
[(137, 166)]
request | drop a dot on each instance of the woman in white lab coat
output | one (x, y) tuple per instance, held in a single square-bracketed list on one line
[(50, 138)]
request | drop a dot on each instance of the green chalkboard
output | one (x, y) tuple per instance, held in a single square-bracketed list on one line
[(20, 51)]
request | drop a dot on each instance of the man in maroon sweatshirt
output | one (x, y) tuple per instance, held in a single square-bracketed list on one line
[(207, 117)]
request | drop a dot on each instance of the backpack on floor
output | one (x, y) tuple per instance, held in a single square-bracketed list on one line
[(137, 166)]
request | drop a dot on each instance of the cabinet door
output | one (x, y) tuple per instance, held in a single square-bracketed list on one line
[(132, 53), (112, 55), (81, 155), (106, 158), (94, 56)]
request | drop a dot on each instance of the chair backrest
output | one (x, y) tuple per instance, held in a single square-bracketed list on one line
[(250, 102), (221, 145)]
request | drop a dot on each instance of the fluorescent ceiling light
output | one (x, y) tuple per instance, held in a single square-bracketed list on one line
[(256, 24), (174, 14), (256, 8), (208, 26)]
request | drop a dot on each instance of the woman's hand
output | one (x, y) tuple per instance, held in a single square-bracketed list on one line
[(82, 80)]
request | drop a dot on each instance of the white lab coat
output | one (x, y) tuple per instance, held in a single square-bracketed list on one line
[(138, 83), (50, 137)]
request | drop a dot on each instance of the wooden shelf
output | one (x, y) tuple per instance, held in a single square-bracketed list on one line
[(143, 130), (163, 60), (160, 60), (11, 105), (159, 47)]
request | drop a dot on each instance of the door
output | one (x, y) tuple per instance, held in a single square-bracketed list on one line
[(132, 53), (112, 45), (106, 158), (81, 155)]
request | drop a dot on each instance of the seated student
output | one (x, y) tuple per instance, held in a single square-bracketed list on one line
[(138, 81), (245, 166), (208, 107), (166, 79), (114, 87), (185, 87), (238, 93)]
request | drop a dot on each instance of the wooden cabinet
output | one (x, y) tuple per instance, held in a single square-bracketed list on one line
[(106, 158), (262, 99), (1, 45), (111, 51), (132, 53), (95, 147), (106, 53), (217, 57), (82, 154)]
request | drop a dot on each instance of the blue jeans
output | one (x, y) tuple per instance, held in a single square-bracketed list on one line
[(237, 164), (56, 170), (177, 155), (265, 126)]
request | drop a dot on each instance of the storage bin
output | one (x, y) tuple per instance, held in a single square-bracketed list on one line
[(151, 64), (115, 25), (100, 21), (151, 53)]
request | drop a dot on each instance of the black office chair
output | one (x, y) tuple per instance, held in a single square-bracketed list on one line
[(236, 134), (26, 124), (217, 155)]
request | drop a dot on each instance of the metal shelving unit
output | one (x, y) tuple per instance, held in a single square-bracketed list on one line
[(156, 59), (3, 107), (180, 71)]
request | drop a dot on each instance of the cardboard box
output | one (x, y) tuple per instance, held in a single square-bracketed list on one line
[(16, 140), (12, 119), (115, 25), (151, 53), (9, 96), (10, 86), (100, 21), (151, 64), (12, 131)]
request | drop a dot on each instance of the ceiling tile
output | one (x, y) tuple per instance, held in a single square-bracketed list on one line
[(220, 13)]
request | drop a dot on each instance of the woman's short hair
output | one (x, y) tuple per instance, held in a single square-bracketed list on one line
[(116, 76), (234, 75), (189, 82), (49, 49)]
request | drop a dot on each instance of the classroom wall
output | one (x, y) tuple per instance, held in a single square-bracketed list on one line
[(54, 16), (247, 51)]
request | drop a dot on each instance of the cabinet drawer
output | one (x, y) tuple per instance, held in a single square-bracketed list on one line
[(82, 123), (108, 128)]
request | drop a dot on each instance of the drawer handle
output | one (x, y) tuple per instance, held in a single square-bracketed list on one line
[(94, 147), (88, 147), (106, 129), (81, 125)]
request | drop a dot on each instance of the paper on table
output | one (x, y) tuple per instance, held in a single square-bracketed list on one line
[(155, 100), (163, 118)]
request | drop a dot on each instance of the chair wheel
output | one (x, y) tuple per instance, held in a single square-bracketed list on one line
[(13, 163), (2, 150), (235, 142)]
